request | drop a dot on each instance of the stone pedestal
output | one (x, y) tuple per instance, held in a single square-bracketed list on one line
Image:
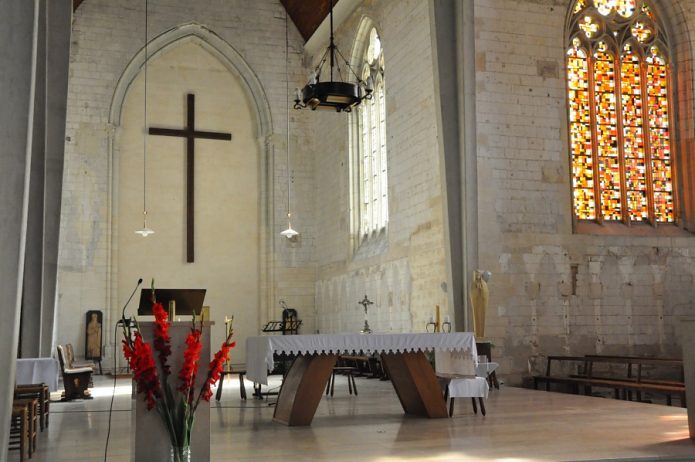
[(151, 438), (687, 338)]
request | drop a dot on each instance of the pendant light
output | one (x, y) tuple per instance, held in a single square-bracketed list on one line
[(337, 95), (145, 231), (289, 233)]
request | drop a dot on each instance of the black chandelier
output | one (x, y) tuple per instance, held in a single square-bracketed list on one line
[(338, 95)]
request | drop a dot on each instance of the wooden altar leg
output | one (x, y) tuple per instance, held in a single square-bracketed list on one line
[(416, 384), (302, 389)]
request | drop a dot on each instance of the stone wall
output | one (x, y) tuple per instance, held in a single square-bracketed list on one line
[(554, 291), (107, 35), (403, 270)]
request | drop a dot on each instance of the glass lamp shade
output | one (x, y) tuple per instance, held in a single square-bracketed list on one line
[(145, 231), (289, 233)]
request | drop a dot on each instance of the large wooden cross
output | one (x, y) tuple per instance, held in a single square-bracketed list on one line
[(190, 133)]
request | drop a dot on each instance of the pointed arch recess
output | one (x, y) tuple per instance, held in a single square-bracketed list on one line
[(238, 66), (214, 44)]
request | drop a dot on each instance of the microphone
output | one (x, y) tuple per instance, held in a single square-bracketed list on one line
[(129, 299)]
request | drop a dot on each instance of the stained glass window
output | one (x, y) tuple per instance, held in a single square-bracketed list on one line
[(619, 113), (371, 129)]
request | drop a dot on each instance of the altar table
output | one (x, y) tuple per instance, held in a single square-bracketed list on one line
[(38, 370), (402, 355)]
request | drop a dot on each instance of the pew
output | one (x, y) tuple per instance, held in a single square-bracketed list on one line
[(618, 373)]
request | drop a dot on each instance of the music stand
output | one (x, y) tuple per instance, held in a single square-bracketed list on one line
[(188, 301)]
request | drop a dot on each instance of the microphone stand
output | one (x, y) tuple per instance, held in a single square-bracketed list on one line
[(126, 323), (123, 320)]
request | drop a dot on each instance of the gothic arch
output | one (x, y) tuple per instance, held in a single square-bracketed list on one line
[(361, 41), (215, 45)]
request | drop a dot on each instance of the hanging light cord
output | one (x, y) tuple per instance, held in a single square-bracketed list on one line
[(144, 138), (287, 95), (145, 231)]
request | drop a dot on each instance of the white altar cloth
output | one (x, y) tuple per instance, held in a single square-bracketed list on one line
[(468, 387), (38, 370), (259, 350), (485, 369)]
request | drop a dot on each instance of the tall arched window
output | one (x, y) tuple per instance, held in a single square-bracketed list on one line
[(618, 81), (370, 142)]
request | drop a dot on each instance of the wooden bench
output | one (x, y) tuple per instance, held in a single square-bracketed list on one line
[(585, 375)]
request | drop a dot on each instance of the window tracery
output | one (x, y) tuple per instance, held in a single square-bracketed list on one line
[(619, 113)]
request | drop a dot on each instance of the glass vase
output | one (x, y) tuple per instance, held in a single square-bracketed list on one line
[(180, 454)]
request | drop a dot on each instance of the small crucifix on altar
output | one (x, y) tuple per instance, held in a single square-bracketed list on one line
[(365, 303), (190, 133)]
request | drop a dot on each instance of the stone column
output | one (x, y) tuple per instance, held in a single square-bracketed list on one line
[(151, 438), (687, 338), (18, 24), (46, 177), (453, 43), (33, 259), (58, 33)]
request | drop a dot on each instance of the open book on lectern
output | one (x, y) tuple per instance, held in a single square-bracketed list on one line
[(188, 301)]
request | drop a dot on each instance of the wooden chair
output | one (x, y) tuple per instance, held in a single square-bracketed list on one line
[(75, 380), (19, 431), (42, 394), (70, 353), (32, 407)]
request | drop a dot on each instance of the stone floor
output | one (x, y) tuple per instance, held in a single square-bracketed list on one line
[(521, 426)]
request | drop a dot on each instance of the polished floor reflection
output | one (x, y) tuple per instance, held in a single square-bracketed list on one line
[(521, 425)]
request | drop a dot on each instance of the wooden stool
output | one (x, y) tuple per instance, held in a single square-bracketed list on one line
[(32, 407), (242, 388), (38, 391), (19, 431), (350, 376)]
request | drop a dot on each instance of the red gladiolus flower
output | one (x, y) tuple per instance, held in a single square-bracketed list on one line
[(215, 369), (191, 359), (141, 362), (162, 340)]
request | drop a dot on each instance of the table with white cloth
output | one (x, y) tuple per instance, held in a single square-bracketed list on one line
[(38, 370), (463, 378), (402, 356)]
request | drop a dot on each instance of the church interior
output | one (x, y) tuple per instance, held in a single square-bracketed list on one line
[(515, 176)]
